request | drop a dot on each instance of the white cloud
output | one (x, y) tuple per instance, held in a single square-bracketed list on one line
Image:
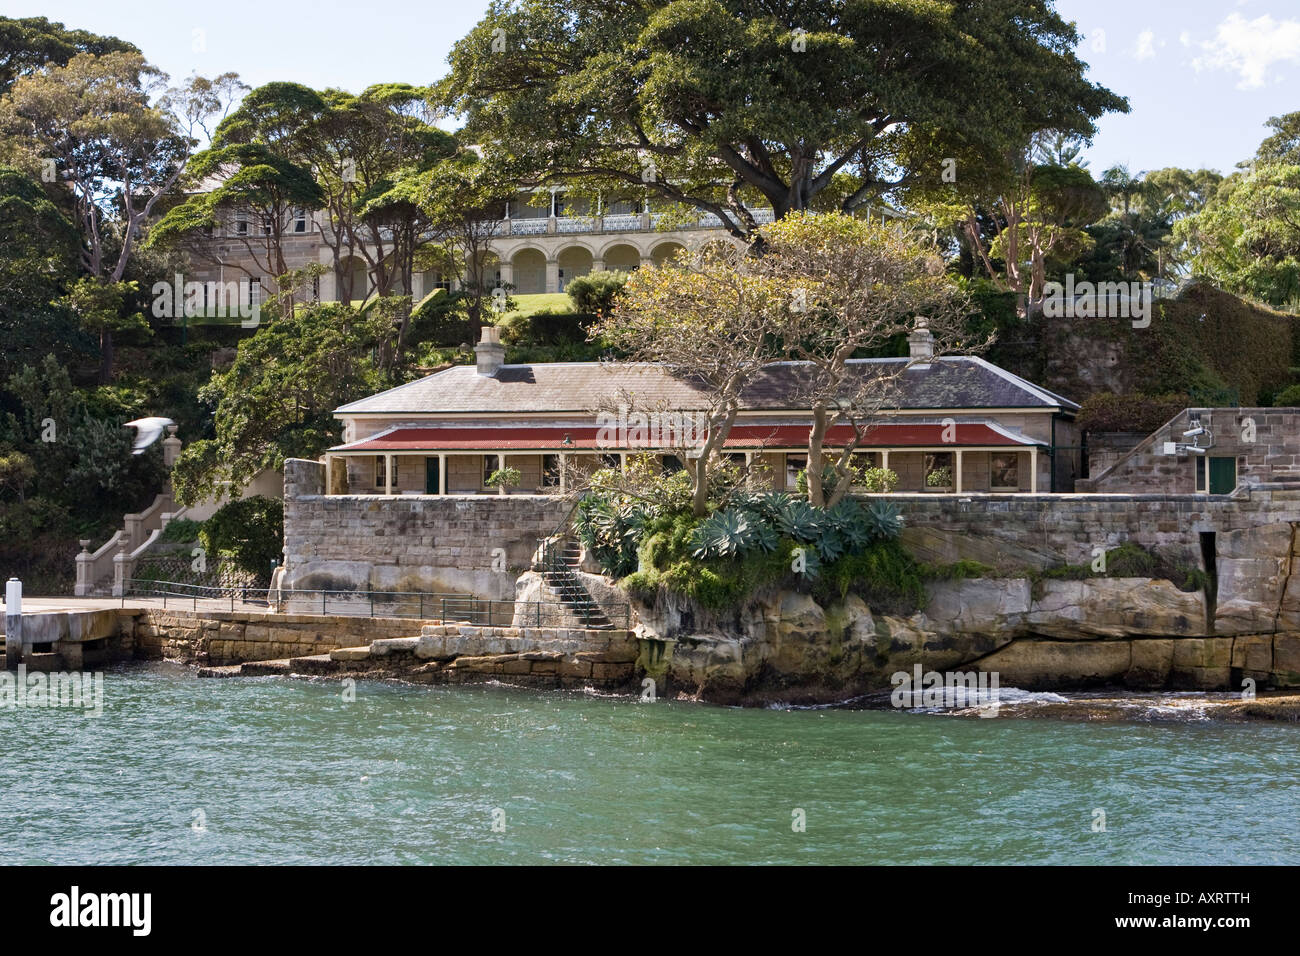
[(1146, 45), (1185, 38), (1251, 47)]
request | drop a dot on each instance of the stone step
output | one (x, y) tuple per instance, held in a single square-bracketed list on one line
[(350, 653), (389, 645)]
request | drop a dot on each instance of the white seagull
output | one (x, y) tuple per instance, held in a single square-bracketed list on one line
[(147, 431)]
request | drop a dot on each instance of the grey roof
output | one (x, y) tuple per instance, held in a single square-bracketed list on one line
[(952, 382)]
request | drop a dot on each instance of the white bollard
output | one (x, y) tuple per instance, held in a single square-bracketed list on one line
[(13, 623)]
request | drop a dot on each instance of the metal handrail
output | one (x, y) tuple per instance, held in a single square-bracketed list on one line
[(421, 605)]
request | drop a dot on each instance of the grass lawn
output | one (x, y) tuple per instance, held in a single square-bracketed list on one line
[(528, 304)]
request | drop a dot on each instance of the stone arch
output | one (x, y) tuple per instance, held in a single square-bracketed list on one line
[(488, 271), (528, 265), (359, 270), (664, 251), (622, 256), (573, 261)]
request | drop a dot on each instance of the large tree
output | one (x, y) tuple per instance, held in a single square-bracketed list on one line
[(277, 399), (102, 131), (854, 288), (715, 104), (29, 43), (711, 319)]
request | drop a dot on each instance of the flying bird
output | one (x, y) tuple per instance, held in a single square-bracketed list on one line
[(147, 431)]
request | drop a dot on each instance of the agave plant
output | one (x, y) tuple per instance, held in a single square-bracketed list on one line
[(798, 519), (724, 534), (610, 532), (830, 545), (884, 520)]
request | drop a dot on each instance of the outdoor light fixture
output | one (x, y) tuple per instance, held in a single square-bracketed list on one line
[(568, 442), (1194, 433)]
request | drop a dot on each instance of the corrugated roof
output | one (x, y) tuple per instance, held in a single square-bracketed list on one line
[(589, 438), (955, 382)]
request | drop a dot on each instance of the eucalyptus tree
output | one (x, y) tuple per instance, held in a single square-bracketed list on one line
[(711, 318), (101, 131), (852, 289), (28, 44)]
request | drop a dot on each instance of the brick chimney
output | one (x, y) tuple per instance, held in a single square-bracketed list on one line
[(920, 342), (491, 354)]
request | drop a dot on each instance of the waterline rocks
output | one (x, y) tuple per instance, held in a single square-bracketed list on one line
[(1139, 633)]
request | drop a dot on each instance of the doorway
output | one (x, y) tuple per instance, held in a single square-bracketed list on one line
[(1223, 476), (432, 476)]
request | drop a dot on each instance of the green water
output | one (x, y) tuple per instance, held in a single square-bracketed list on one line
[(183, 770)]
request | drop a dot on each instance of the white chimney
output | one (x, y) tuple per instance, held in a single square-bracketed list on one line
[(491, 354), (920, 342)]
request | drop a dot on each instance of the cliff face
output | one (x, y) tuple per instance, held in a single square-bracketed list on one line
[(1137, 633)]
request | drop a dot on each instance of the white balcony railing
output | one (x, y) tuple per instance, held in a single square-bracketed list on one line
[(528, 227), (567, 224), (621, 222)]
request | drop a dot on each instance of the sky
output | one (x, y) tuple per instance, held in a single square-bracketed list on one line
[(1202, 76)]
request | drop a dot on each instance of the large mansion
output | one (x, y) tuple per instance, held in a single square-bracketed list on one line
[(536, 248)]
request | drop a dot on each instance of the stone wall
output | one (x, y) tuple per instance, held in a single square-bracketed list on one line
[(1067, 528), (1264, 441), (473, 544), (220, 637)]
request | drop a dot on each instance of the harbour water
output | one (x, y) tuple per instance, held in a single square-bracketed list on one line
[(266, 770)]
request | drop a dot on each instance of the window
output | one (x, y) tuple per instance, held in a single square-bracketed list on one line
[(1004, 472), (300, 220), (938, 470), (380, 478), (254, 291), (1200, 472), (793, 465), (550, 471), (672, 465), (860, 461), (490, 464), (241, 224)]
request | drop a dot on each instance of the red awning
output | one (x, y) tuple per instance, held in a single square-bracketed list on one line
[(591, 438)]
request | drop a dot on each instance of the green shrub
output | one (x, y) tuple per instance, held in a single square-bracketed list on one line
[(250, 532), (597, 292), (1289, 397), (505, 478), (958, 571), (884, 575), (1108, 412), (181, 530)]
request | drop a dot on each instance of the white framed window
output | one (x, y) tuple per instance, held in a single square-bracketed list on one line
[(793, 465), (550, 471), (380, 472), (938, 471), (490, 464), (300, 220)]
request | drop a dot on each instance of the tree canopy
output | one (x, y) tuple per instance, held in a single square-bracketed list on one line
[(716, 104)]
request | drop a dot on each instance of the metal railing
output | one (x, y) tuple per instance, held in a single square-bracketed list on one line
[(420, 605)]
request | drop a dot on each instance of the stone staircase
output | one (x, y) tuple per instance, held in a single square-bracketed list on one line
[(561, 558)]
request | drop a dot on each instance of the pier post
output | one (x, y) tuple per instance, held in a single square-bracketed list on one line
[(13, 623)]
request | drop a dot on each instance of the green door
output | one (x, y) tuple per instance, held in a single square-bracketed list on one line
[(431, 483), (1223, 475)]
